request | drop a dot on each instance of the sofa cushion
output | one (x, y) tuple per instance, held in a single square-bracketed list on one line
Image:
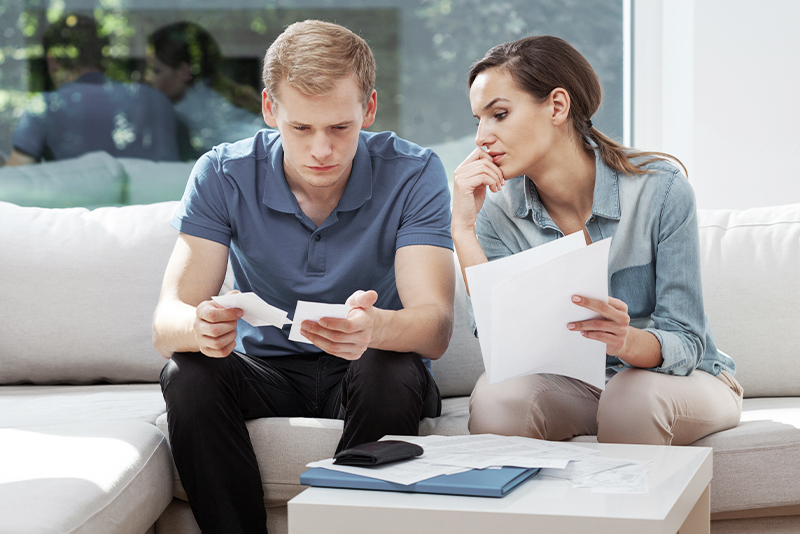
[(756, 464), (155, 181), (284, 445), (83, 479), (460, 366), (94, 179), (750, 263), (37, 406), (82, 286)]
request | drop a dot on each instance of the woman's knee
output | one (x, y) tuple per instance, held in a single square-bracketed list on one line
[(502, 409), (633, 410)]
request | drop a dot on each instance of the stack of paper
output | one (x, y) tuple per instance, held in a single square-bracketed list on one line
[(522, 305)]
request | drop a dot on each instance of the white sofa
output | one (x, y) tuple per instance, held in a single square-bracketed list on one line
[(82, 430)]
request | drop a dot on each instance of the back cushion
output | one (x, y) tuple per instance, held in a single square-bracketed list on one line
[(94, 179), (79, 290), (751, 282), (459, 368)]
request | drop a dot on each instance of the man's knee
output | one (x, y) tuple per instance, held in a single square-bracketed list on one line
[(191, 376), (386, 380)]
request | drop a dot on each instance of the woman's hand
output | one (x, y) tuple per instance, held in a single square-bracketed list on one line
[(638, 348), (612, 330), (470, 181)]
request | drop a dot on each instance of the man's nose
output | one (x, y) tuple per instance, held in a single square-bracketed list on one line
[(321, 147)]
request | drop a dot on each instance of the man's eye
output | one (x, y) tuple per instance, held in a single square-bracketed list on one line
[(301, 128), (340, 127)]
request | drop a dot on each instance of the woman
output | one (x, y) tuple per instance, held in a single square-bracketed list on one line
[(185, 62), (551, 173)]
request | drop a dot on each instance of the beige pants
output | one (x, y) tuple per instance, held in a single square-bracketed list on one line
[(637, 406)]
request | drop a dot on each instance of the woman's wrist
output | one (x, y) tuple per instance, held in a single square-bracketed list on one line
[(642, 349)]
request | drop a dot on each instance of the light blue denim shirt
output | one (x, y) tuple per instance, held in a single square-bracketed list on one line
[(654, 262)]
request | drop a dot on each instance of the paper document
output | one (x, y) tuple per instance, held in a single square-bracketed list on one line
[(314, 311), (256, 311), (522, 304)]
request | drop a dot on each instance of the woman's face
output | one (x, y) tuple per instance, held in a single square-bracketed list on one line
[(170, 81), (516, 130)]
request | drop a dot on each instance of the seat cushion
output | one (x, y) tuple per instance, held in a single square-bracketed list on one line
[(91, 478), (284, 445), (41, 406), (756, 464)]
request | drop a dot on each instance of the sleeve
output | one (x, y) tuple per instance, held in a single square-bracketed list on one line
[(679, 317), (30, 136), (203, 210), (426, 214)]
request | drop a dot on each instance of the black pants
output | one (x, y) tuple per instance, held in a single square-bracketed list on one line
[(209, 399)]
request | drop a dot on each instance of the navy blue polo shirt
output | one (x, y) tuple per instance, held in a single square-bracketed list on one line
[(237, 195)]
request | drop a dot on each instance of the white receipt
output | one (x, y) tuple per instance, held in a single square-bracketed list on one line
[(256, 311), (314, 311)]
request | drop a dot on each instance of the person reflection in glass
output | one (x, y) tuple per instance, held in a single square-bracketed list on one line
[(184, 58), (88, 111)]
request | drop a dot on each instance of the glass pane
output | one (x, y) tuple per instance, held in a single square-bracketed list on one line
[(423, 49)]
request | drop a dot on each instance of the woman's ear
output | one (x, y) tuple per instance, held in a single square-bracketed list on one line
[(560, 102)]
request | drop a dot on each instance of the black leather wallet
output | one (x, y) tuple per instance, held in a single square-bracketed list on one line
[(377, 453)]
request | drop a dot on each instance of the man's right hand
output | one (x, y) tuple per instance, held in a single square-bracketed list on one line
[(215, 328)]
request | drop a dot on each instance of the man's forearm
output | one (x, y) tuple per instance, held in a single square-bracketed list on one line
[(173, 329), (425, 330)]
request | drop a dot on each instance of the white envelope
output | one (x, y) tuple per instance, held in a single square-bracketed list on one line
[(314, 311), (256, 311)]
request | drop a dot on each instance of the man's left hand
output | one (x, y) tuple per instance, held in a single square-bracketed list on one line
[(346, 338)]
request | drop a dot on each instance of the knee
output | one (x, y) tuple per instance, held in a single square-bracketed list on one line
[(499, 409), (632, 410), (386, 381), (189, 378)]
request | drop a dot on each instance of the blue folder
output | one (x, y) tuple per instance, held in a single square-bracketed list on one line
[(476, 482)]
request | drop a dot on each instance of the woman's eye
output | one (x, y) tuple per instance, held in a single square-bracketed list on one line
[(500, 116)]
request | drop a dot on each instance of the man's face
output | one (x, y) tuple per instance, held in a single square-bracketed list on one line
[(319, 133)]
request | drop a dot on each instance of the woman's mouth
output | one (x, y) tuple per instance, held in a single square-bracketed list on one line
[(496, 156)]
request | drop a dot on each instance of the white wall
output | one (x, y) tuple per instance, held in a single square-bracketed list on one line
[(716, 84)]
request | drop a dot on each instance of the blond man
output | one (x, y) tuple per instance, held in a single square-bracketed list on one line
[(318, 211)]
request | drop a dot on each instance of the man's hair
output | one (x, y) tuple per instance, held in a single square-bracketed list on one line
[(312, 56), (73, 42)]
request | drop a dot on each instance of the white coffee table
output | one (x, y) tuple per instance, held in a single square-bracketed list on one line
[(677, 501)]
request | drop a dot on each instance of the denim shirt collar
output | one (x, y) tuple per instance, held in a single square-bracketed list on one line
[(605, 202)]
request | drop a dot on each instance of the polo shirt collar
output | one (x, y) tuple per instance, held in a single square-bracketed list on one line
[(605, 202), (94, 77), (279, 197)]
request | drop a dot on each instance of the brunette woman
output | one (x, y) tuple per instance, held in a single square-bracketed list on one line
[(550, 173)]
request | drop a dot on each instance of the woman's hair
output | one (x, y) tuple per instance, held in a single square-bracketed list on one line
[(542, 63), (312, 56), (190, 43), (187, 42)]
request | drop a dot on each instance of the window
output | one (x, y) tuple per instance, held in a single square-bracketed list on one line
[(423, 49)]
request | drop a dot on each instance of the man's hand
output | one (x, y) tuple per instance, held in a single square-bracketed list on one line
[(346, 338), (215, 328)]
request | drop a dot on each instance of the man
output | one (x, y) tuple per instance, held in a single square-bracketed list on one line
[(317, 211), (88, 111)]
